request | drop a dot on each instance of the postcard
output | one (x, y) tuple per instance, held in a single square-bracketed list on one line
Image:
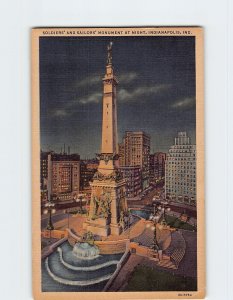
[(118, 163)]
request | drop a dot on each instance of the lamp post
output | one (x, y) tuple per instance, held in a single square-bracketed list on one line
[(49, 208), (164, 208), (79, 199), (155, 218), (87, 204)]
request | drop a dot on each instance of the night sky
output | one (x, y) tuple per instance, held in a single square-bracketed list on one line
[(156, 91)]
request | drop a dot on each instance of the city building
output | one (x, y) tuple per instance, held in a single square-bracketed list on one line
[(136, 152), (121, 152), (87, 171), (43, 169), (133, 178), (63, 176), (180, 171), (152, 168), (92, 164), (44, 175), (160, 159), (157, 165)]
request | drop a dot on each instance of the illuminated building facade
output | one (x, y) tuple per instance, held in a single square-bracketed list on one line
[(180, 170)]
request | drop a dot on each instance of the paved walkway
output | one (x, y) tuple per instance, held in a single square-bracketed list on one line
[(75, 223), (188, 265), (125, 273)]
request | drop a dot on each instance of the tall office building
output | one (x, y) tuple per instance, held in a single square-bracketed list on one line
[(63, 176), (152, 167), (44, 175), (133, 178), (87, 171), (160, 159), (157, 165), (121, 153), (43, 169), (137, 153), (180, 170)]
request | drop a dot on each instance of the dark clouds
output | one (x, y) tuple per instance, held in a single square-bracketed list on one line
[(156, 91)]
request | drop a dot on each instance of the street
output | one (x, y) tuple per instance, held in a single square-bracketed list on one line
[(145, 200), (58, 216)]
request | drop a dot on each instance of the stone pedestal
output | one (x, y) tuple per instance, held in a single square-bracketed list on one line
[(116, 229), (99, 226), (99, 230), (96, 227), (108, 189)]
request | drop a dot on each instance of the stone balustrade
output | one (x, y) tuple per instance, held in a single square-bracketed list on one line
[(51, 248), (119, 266), (55, 234), (105, 247)]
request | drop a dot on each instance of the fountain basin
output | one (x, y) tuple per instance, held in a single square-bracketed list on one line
[(85, 250), (142, 213), (71, 274)]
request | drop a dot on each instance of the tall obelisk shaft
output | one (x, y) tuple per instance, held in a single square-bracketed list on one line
[(109, 123), (108, 203), (109, 147)]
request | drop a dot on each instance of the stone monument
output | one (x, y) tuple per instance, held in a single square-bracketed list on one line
[(108, 201)]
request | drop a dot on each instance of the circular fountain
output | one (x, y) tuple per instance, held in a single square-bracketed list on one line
[(85, 250)]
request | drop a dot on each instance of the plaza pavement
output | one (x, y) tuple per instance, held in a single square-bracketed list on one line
[(187, 267)]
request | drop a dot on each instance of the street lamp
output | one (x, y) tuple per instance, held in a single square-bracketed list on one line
[(155, 218), (164, 208), (79, 199), (49, 208)]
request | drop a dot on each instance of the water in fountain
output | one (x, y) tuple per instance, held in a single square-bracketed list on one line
[(85, 250), (63, 270)]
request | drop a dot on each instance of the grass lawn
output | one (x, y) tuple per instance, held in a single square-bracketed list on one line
[(177, 223), (148, 279)]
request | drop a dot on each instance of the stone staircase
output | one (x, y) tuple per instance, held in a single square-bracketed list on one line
[(145, 239), (177, 249), (167, 264), (177, 256)]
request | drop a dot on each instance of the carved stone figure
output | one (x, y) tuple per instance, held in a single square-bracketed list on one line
[(122, 223), (102, 205), (114, 176), (94, 209)]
